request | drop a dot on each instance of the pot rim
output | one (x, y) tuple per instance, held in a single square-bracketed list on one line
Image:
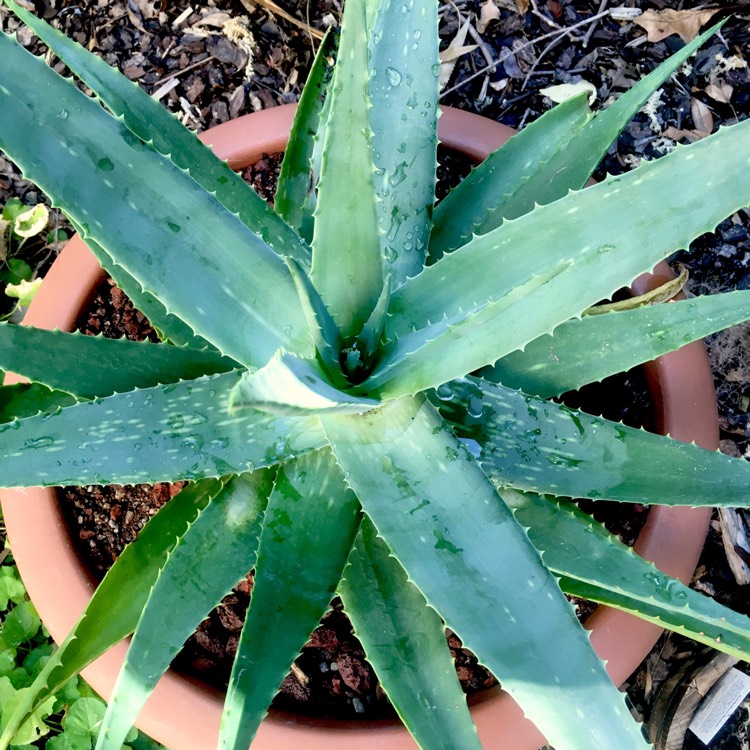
[(182, 713)]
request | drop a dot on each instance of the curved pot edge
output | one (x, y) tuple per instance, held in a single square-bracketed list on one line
[(499, 720)]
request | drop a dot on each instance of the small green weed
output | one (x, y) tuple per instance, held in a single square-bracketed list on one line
[(29, 241), (68, 720)]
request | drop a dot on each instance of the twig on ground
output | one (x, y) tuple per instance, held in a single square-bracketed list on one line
[(277, 10), (182, 17), (587, 36), (541, 56), (734, 536), (309, 33), (475, 35), (111, 21), (508, 53), (187, 69), (165, 88), (550, 22)]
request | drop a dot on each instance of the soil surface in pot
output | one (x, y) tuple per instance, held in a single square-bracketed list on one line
[(331, 677)]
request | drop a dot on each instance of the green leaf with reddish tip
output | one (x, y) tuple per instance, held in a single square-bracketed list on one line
[(541, 446), (114, 609), (63, 361), (293, 386), (403, 49), (506, 288), (556, 153), (594, 564), (347, 265), (296, 192), (308, 531), (591, 348), (216, 551), (151, 122), (149, 215), (165, 433), (404, 640), (459, 543)]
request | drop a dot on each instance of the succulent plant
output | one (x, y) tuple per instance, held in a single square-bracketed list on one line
[(325, 361)]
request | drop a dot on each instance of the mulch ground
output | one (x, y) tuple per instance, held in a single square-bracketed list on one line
[(214, 61)]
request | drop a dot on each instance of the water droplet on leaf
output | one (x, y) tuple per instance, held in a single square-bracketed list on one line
[(393, 76), (34, 443)]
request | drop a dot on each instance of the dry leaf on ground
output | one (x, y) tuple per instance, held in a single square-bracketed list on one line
[(453, 51), (451, 54), (564, 91), (487, 13), (677, 134), (522, 6), (702, 117), (720, 92), (277, 10), (659, 24)]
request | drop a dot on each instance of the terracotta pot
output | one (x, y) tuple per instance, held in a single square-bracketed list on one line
[(183, 714)]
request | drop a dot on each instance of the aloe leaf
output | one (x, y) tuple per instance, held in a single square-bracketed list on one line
[(307, 230), (215, 552), (507, 287), (293, 386), (556, 153), (148, 119), (594, 564), (347, 265), (404, 640), (701, 619), (590, 349), (325, 334), (459, 543), (63, 361), (540, 446), (183, 227), (169, 327), (308, 532), (165, 433), (500, 182), (28, 399), (403, 47), (114, 609), (591, 145), (368, 339), (295, 195)]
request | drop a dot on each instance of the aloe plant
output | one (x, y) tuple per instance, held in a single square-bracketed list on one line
[(327, 366)]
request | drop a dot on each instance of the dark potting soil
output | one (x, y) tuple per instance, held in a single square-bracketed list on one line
[(331, 677)]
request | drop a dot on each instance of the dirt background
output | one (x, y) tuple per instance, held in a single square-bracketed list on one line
[(214, 61)]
